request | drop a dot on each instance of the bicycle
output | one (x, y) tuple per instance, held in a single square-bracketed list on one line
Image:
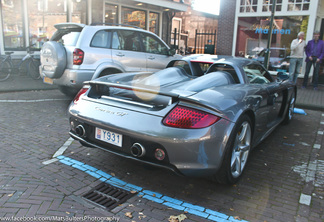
[(32, 65)]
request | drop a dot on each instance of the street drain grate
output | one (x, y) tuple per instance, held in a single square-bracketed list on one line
[(108, 196)]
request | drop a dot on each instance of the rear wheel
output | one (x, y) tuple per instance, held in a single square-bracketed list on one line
[(33, 69), (5, 70), (237, 152)]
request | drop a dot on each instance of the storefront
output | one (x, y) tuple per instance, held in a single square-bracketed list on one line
[(253, 32), (252, 25), (31, 22)]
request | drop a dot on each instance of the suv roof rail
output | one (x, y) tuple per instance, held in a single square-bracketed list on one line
[(114, 24)]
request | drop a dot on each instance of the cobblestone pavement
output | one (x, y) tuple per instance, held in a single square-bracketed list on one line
[(284, 179)]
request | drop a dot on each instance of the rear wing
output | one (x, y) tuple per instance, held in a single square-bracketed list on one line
[(150, 98)]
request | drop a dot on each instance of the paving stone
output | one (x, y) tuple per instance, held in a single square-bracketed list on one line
[(269, 189)]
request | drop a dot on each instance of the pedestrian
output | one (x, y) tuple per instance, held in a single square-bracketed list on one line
[(314, 55), (296, 56)]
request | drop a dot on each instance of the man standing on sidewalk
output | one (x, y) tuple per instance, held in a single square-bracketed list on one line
[(296, 56), (314, 55)]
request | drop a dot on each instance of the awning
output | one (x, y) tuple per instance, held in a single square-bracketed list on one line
[(166, 4)]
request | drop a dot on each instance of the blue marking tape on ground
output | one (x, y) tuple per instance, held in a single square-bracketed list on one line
[(147, 194), (300, 111)]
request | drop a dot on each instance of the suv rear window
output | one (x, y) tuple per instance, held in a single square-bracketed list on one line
[(66, 38), (70, 39)]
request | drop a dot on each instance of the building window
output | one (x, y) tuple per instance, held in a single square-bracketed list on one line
[(249, 6), (111, 13), (154, 22), (298, 5), (134, 17), (267, 5), (79, 11), (12, 23), (253, 33), (43, 15)]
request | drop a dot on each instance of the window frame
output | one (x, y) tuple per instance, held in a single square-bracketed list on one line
[(109, 40), (124, 37)]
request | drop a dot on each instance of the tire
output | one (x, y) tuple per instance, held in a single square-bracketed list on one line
[(33, 69), (290, 111), (237, 152), (5, 70), (53, 59), (68, 91)]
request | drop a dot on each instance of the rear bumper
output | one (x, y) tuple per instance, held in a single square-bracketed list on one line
[(93, 145), (73, 78), (196, 152)]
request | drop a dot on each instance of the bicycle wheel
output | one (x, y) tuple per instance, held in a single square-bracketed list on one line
[(33, 69), (5, 70)]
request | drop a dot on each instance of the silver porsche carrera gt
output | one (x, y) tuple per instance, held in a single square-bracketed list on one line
[(196, 123)]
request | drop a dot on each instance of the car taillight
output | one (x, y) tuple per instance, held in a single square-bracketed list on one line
[(78, 56), (189, 118), (80, 93)]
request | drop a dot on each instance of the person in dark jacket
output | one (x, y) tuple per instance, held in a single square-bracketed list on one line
[(314, 55)]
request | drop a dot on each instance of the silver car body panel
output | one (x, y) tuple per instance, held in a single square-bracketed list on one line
[(73, 78), (182, 146)]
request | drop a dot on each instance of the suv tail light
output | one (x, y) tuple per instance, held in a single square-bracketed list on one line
[(78, 56), (80, 93), (189, 118)]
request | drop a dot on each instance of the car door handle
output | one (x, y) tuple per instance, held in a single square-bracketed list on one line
[(120, 54), (151, 58)]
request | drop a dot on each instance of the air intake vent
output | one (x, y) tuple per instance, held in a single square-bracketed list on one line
[(107, 196)]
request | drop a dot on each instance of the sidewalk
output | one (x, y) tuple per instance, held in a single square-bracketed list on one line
[(23, 83), (310, 99), (306, 98)]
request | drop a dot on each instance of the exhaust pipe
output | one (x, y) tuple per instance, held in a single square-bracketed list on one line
[(80, 131), (137, 150)]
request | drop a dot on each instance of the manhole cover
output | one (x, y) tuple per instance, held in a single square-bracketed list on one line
[(108, 196)]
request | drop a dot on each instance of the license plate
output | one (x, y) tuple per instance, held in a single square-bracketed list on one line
[(48, 80), (109, 137)]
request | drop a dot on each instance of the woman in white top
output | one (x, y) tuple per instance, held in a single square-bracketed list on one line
[(296, 56)]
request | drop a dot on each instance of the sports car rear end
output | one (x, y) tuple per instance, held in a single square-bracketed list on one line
[(154, 121)]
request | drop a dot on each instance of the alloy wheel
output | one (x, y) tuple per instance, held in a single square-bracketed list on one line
[(241, 149)]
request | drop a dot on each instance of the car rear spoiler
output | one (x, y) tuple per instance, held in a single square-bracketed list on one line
[(174, 94)]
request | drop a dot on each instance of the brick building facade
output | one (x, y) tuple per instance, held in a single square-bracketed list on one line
[(226, 22)]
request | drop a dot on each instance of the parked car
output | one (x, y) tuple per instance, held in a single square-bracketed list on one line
[(78, 53), (194, 125), (278, 58)]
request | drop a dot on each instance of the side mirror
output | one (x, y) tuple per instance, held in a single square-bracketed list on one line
[(172, 52), (281, 76)]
